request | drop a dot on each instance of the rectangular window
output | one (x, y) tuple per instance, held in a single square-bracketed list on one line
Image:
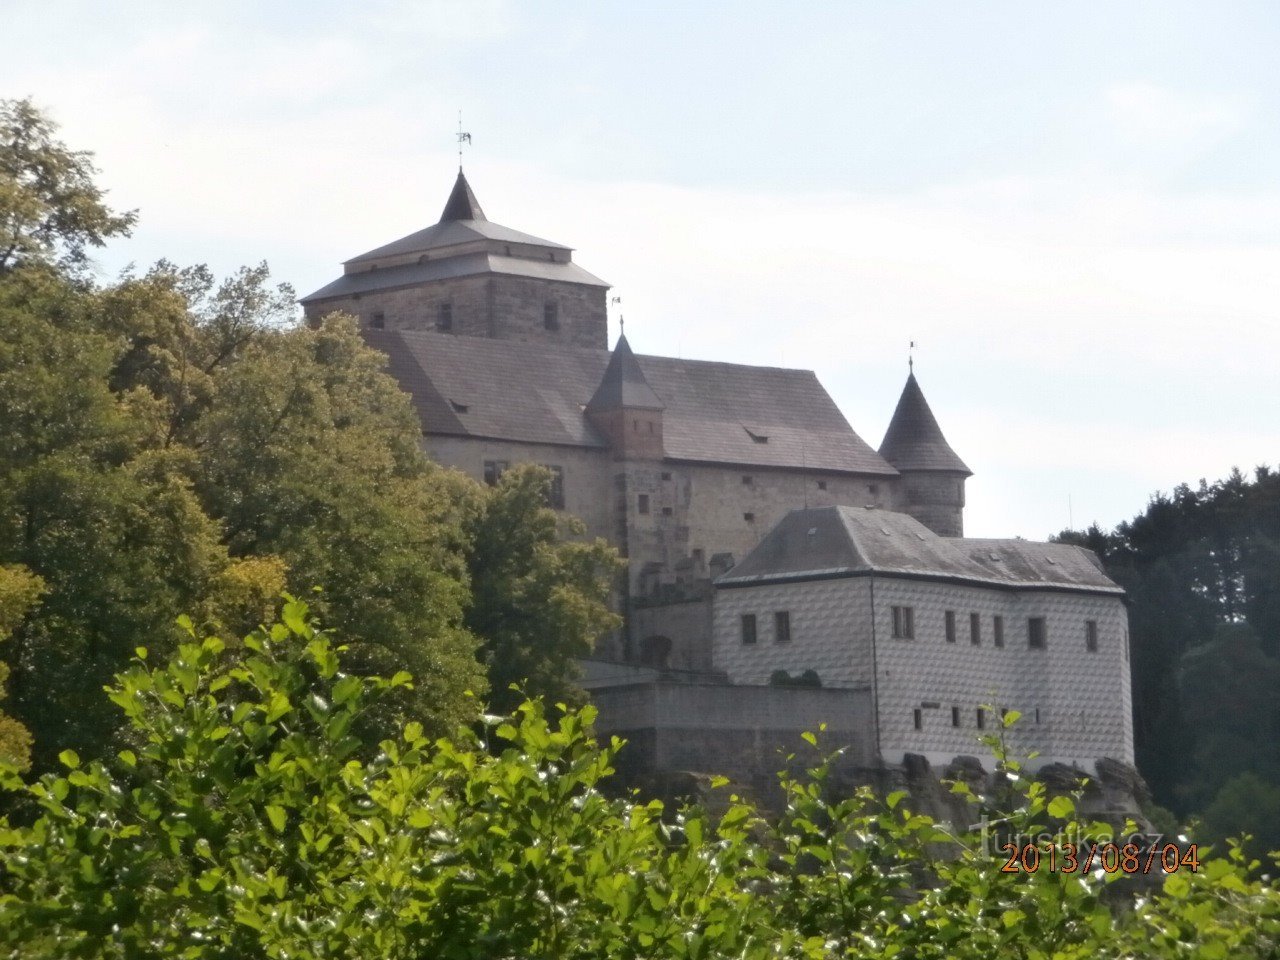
[(555, 493), (981, 718), (917, 718), (445, 319), (666, 511), (904, 623), (1037, 714), (955, 716), (551, 315), (1036, 633), (997, 630), (746, 480), (782, 626), (642, 503), (749, 517), (950, 620), (975, 629), (1091, 636), (493, 471), (378, 321), (748, 628)]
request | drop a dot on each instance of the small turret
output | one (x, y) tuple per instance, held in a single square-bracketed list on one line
[(625, 409), (932, 485)]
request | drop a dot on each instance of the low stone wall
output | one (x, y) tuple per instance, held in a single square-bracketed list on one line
[(744, 733)]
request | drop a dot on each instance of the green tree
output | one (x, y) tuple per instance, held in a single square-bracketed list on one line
[(540, 599), (20, 590), (50, 207), (248, 822)]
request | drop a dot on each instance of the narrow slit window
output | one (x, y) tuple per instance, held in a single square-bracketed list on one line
[(551, 315), (975, 629), (1091, 636), (444, 320), (980, 718), (955, 716), (917, 718), (748, 628), (997, 630), (949, 619)]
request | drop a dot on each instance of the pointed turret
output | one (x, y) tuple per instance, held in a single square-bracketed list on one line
[(462, 203), (932, 485), (625, 408), (623, 385)]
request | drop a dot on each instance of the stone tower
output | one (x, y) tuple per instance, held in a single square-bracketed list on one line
[(625, 409), (932, 484), (469, 276)]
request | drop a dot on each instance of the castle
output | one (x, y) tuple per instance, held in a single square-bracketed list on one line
[(764, 539)]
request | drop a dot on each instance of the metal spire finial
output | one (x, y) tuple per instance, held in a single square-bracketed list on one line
[(911, 360), (622, 323), (462, 138)]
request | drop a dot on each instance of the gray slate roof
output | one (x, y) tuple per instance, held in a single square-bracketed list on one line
[(852, 541), (623, 384), (449, 233), (462, 203), (914, 441), (537, 393), (470, 264)]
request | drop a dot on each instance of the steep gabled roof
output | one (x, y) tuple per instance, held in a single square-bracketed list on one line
[(462, 203), (623, 385), (857, 541), (538, 393), (914, 441)]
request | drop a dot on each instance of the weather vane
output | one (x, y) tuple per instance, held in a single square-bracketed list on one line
[(911, 360), (622, 323), (462, 138)]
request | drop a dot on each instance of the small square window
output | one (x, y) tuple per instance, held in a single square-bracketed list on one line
[(493, 471), (378, 321), (666, 511), (997, 630), (749, 517), (975, 629), (949, 619), (917, 718), (1091, 636), (782, 626), (904, 623), (748, 628), (1037, 632), (642, 503), (822, 484), (666, 476), (955, 716)]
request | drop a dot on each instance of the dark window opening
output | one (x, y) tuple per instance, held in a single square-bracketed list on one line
[(904, 623), (782, 626), (917, 718), (873, 489), (955, 716), (493, 471), (1036, 633), (666, 476), (749, 517), (642, 503), (1091, 636), (822, 484), (981, 716), (997, 630), (975, 629), (378, 321), (445, 319), (950, 621), (746, 480), (748, 628), (551, 315), (666, 511)]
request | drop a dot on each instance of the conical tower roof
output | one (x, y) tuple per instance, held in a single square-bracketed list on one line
[(623, 385), (462, 203), (914, 441)]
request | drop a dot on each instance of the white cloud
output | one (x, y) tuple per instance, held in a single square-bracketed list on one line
[(1147, 113)]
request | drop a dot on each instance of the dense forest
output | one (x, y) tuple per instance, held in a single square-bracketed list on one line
[(1202, 570)]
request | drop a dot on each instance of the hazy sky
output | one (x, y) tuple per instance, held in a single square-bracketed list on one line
[(1074, 209)]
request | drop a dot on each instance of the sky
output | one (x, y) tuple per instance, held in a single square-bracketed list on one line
[(1072, 209)]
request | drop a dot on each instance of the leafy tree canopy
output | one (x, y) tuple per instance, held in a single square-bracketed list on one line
[(50, 208), (247, 821)]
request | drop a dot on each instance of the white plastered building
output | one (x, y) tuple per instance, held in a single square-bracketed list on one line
[(945, 633)]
